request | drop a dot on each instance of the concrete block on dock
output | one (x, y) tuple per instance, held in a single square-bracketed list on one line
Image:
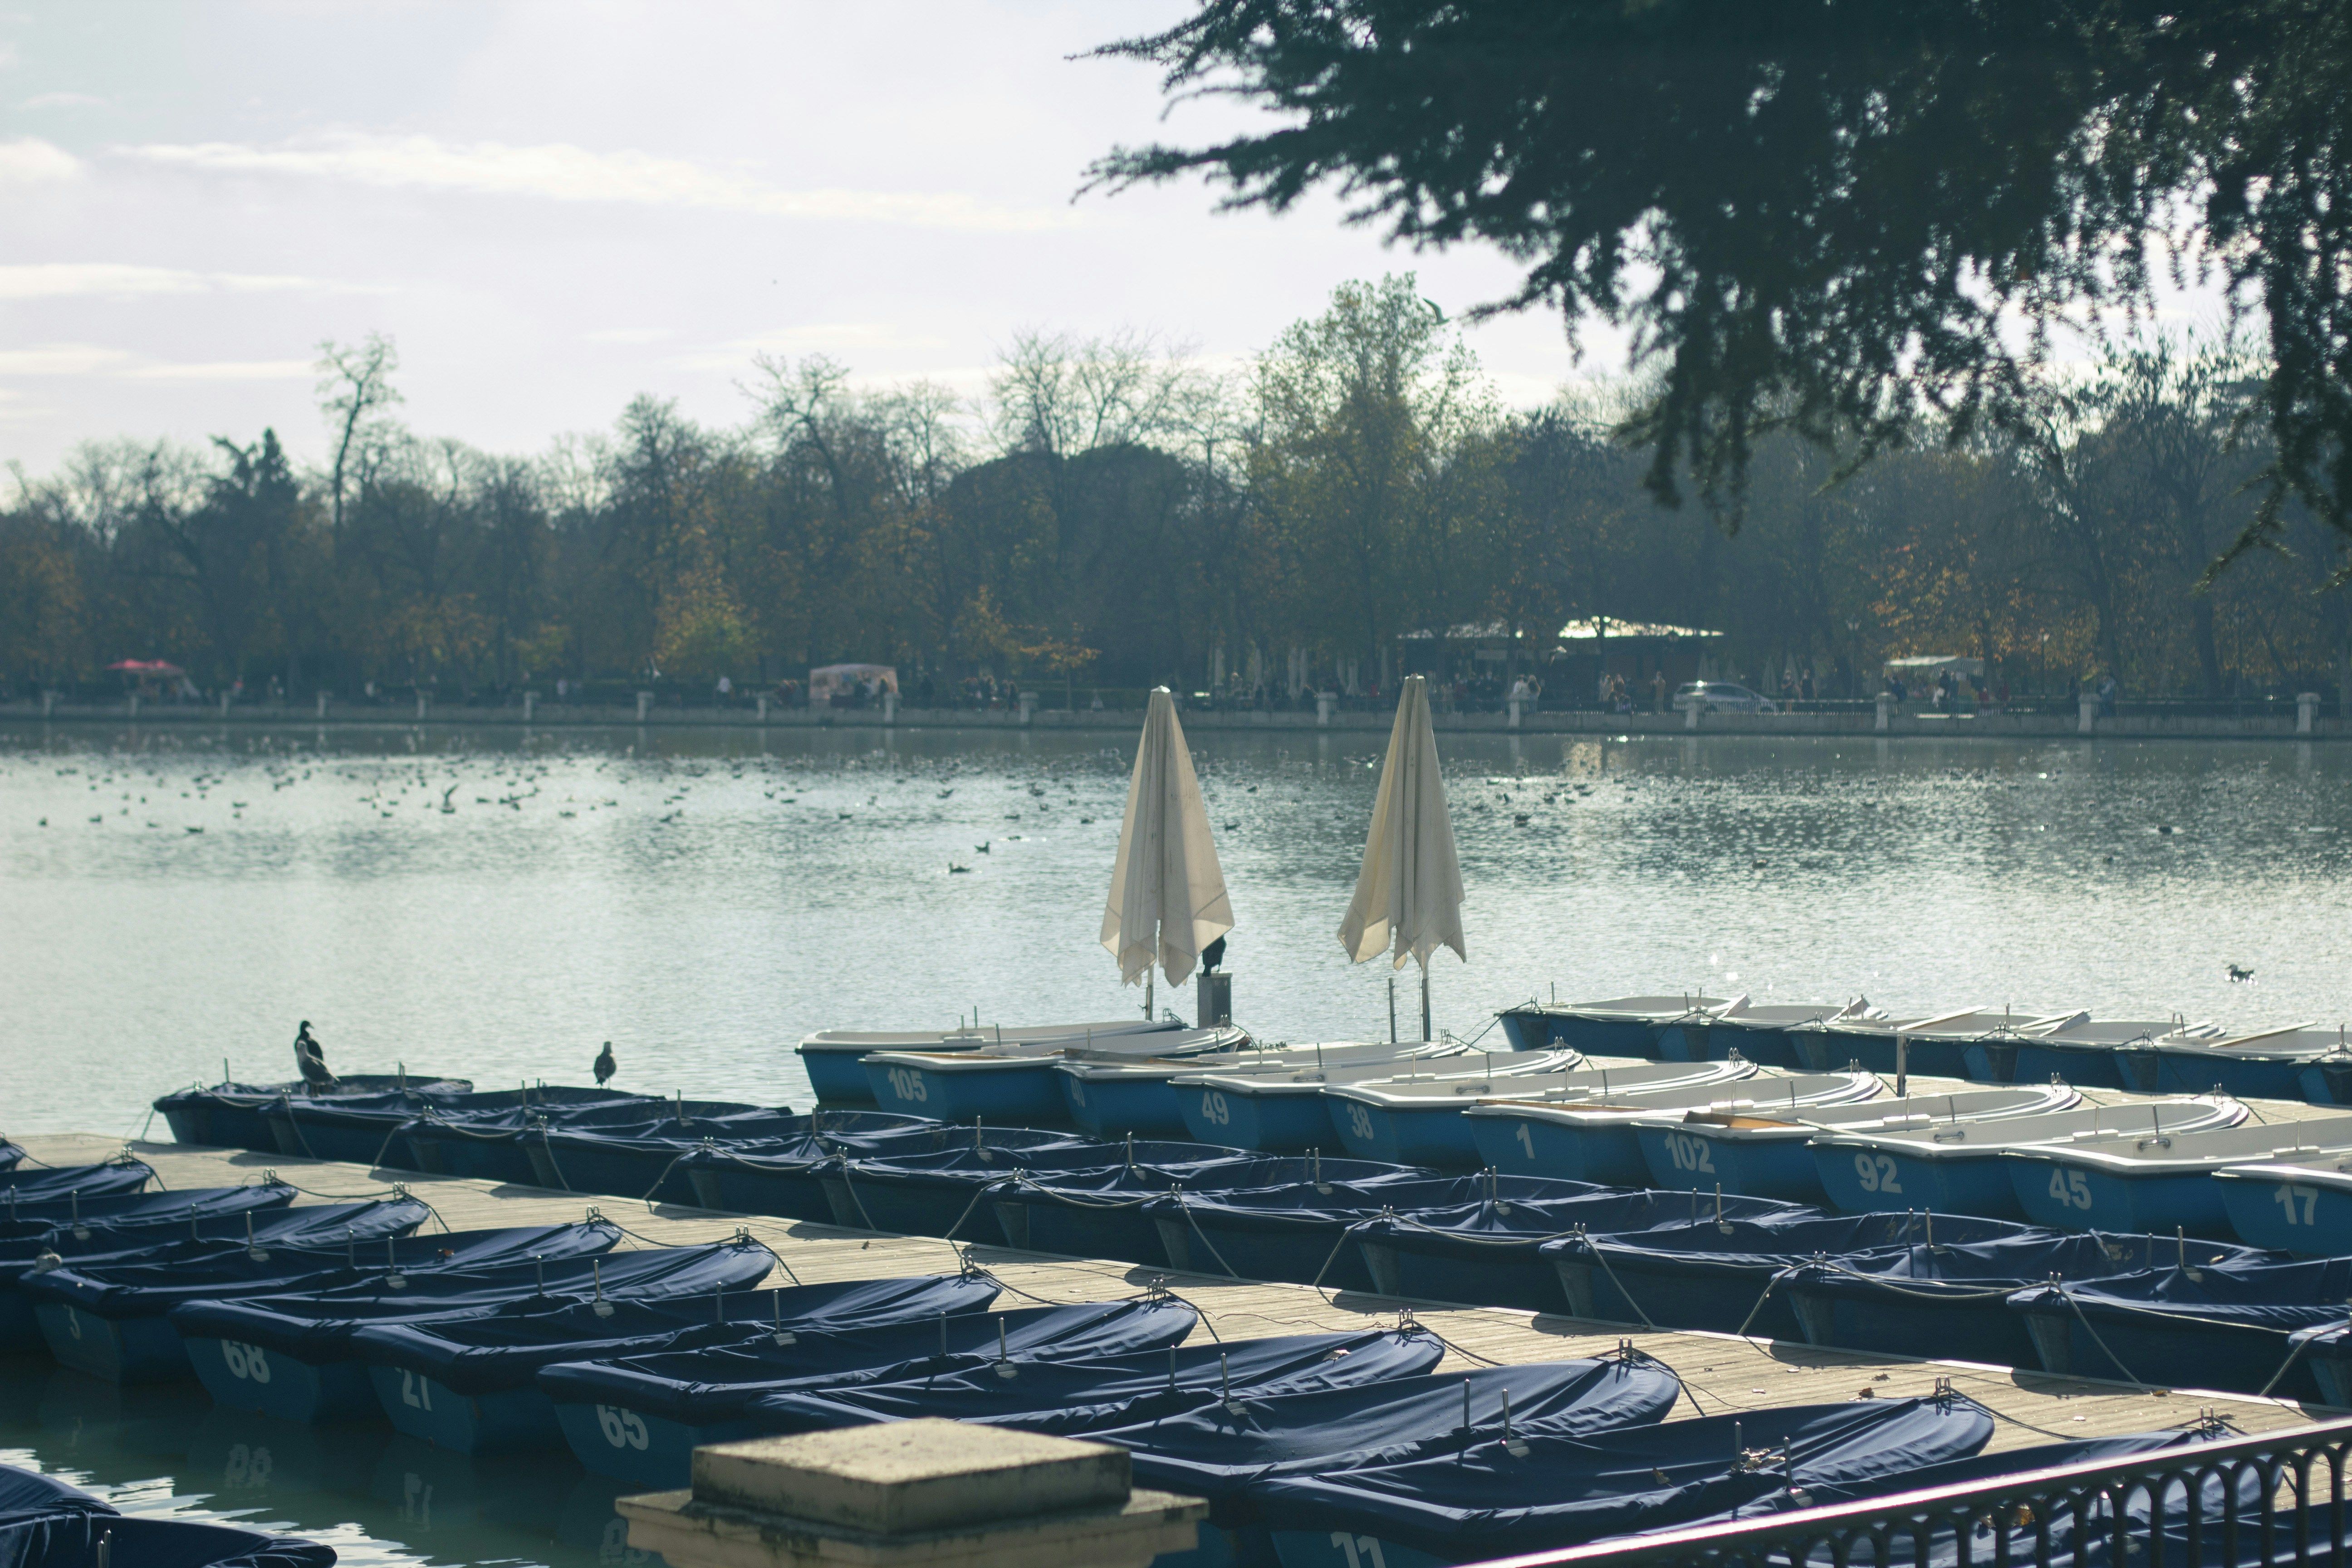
[(912, 1492)]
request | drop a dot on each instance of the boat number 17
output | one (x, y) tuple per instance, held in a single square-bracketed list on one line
[(1876, 1174), (2289, 1195)]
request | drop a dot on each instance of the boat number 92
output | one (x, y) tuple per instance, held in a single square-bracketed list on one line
[(2069, 1188), (1689, 1154), (1359, 1121), (621, 1428), (1214, 1109), (908, 1084), (246, 1360), (1876, 1174)]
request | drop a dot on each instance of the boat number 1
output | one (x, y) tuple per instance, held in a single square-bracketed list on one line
[(246, 1360), (2289, 1195), (1689, 1154), (1359, 1121), (2069, 1188), (1214, 1107), (1364, 1550), (621, 1428), (908, 1084), (1525, 1143), (1876, 1173)]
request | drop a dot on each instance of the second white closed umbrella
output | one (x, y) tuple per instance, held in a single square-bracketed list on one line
[(1408, 898), (1166, 891)]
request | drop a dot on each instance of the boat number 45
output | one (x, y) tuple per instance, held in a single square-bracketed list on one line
[(621, 1428), (2069, 1188), (1364, 1550), (907, 1084), (1876, 1174), (2289, 1195)]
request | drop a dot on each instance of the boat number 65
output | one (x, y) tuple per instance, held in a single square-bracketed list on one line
[(1359, 1121), (908, 1084), (246, 1360), (2069, 1188), (1689, 1154), (1214, 1109), (1876, 1173), (621, 1428)]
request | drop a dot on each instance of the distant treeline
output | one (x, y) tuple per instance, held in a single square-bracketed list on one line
[(1112, 515)]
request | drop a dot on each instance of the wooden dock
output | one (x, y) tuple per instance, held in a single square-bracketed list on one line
[(1723, 1373)]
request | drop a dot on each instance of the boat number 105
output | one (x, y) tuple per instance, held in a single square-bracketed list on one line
[(908, 1084), (1876, 1174)]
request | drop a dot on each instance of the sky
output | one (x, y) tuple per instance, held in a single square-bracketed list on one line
[(554, 207)]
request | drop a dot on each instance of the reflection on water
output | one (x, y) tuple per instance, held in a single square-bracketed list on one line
[(496, 904), (376, 1496)]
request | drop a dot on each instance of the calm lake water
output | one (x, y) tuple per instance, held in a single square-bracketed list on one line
[(494, 904)]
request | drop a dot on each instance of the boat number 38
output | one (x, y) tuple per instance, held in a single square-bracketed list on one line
[(246, 1360), (1689, 1154), (1214, 1109), (907, 1084), (1876, 1174), (1359, 1121), (621, 1428)]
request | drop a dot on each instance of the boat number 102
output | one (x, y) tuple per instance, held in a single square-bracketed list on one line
[(1690, 1154)]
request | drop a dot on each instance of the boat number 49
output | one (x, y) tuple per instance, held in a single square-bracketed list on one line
[(2069, 1188), (907, 1084), (1689, 1154), (621, 1428), (2289, 1195), (1214, 1109), (1876, 1174)]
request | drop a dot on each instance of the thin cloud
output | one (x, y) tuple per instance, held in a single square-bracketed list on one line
[(63, 100), (562, 172), (630, 335), (28, 159), (61, 359), (852, 341), (228, 370), (96, 359), (123, 280)]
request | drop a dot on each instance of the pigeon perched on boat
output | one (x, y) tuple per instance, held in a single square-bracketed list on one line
[(311, 1061), (605, 1066)]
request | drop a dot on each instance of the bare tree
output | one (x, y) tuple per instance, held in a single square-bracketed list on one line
[(354, 384)]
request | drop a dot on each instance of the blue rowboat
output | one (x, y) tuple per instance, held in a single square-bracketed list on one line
[(1299, 1232), (1419, 1119), (1014, 1083), (2265, 1064), (2327, 1080), (1766, 1151), (835, 1060), (1958, 1169), (1616, 1026), (1717, 1274), (1102, 1213), (365, 1129), (1762, 1035), (640, 1418), (1936, 1045), (46, 1524), (643, 1162), (786, 1178), (1068, 1398), (2229, 1326), (1488, 1253), (1536, 1490), (1288, 1112), (289, 1356), (55, 1192), (2301, 1206), (472, 1385), (2160, 1180), (1593, 1137), (1118, 1099), (503, 1142), (113, 1323), (1947, 1299), (947, 1194), (2082, 1050), (229, 1115)]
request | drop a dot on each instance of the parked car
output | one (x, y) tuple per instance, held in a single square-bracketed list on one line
[(1721, 697)]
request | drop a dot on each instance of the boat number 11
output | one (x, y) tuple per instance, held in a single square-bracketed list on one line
[(1876, 1174), (1364, 1550)]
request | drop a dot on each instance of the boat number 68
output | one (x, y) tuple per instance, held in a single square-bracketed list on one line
[(246, 1360), (908, 1084), (1876, 1174), (1214, 1109), (621, 1428)]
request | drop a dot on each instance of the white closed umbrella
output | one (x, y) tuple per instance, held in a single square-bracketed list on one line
[(1408, 898), (1167, 892)]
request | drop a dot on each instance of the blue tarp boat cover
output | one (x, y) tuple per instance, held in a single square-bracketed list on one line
[(54, 1189), (1214, 1450), (2030, 1255), (10, 1153), (482, 1355), (707, 1386), (146, 1219), (2259, 1291), (320, 1229), (1560, 1490), (317, 1326), (1531, 1220), (28, 1491), (72, 1538), (153, 1288), (1071, 1397)]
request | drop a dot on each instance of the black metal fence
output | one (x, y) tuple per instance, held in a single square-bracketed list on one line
[(2275, 1498)]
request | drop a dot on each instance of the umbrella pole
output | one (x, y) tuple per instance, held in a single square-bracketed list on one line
[(1424, 1000), (1392, 1039), (1146, 996)]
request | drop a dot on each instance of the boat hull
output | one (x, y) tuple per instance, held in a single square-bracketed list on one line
[(1484, 1274), (1608, 1154), (506, 1421), (1114, 1108), (1017, 1089), (284, 1387), (744, 1188), (120, 1350), (2074, 1196), (1436, 1135), (2163, 1351), (1891, 1178), (1276, 1123), (1911, 1323), (2287, 1214), (646, 1450), (1033, 1222), (1680, 1157)]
